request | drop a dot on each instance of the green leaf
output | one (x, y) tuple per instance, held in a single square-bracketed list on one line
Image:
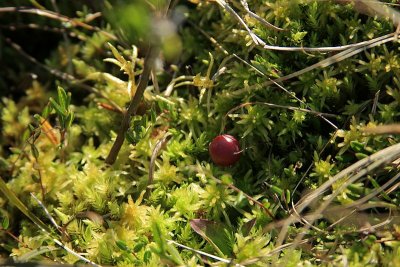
[(377, 186), (147, 256), (31, 128), (60, 111), (35, 151), (26, 135), (6, 222), (175, 256), (357, 146), (213, 233), (35, 178), (68, 99), (277, 190), (287, 196), (46, 111), (157, 235), (62, 98), (36, 135), (69, 120), (138, 247), (361, 155), (116, 54), (122, 245)]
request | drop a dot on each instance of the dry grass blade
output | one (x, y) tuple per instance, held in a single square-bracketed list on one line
[(351, 174), (156, 150), (319, 49), (231, 55), (271, 105), (227, 7), (374, 8), (322, 64), (257, 17), (373, 193), (14, 200), (383, 129), (47, 212)]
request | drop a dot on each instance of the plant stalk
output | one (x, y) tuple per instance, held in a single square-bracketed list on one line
[(143, 81)]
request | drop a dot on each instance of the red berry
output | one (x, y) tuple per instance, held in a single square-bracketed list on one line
[(224, 150)]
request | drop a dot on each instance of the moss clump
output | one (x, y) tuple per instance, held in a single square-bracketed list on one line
[(313, 186)]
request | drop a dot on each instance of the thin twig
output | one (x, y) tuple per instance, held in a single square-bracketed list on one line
[(203, 253), (62, 75), (228, 8), (257, 17), (316, 113), (144, 79), (58, 228), (56, 16), (275, 82), (322, 64)]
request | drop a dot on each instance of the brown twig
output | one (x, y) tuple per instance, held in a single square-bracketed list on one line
[(56, 16), (144, 79)]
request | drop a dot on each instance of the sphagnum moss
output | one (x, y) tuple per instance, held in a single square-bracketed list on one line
[(300, 84)]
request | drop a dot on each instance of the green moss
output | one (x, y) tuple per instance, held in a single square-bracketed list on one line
[(54, 140)]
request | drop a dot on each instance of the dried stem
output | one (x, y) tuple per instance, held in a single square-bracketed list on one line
[(316, 113), (144, 79), (56, 16)]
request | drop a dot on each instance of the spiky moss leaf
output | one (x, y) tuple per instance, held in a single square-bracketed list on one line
[(216, 198), (247, 248), (94, 121), (272, 166), (185, 200), (95, 187), (134, 215), (53, 174), (167, 174), (14, 120), (95, 45)]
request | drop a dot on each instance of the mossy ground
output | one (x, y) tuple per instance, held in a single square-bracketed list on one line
[(62, 106)]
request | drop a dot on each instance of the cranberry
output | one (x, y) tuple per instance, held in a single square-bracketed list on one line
[(224, 150)]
